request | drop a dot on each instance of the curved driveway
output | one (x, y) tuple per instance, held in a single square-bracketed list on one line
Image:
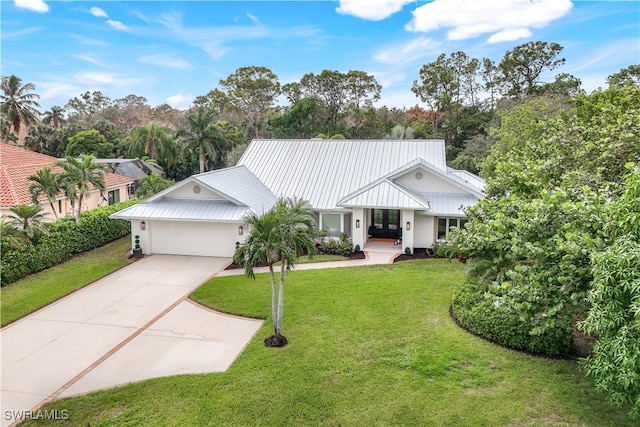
[(131, 325)]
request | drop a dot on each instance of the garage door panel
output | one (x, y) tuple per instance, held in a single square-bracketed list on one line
[(193, 238)]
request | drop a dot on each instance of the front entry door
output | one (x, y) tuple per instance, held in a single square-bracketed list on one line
[(385, 223)]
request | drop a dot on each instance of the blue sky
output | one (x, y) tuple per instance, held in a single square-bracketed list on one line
[(170, 51)]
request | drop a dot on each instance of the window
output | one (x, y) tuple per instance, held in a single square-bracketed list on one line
[(114, 196), (394, 219), (445, 225), (378, 218), (331, 223)]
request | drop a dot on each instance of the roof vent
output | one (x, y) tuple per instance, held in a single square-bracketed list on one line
[(196, 189), (419, 176)]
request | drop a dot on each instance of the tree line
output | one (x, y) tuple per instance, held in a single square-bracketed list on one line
[(462, 99)]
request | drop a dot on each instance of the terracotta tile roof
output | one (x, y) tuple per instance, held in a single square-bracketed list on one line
[(18, 164)]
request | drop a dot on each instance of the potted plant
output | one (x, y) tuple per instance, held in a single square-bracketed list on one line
[(137, 250)]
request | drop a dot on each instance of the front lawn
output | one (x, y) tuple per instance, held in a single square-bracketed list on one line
[(368, 346), (39, 289)]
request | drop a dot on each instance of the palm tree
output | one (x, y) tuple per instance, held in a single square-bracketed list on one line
[(203, 136), (18, 103), (54, 117), (78, 178), (154, 141), (30, 219), (151, 185), (279, 235), (46, 183)]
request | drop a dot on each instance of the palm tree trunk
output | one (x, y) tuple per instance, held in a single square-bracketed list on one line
[(274, 312), (201, 159), (280, 298)]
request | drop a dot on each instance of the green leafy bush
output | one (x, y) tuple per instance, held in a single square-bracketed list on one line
[(66, 238), (335, 247), (485, 313)]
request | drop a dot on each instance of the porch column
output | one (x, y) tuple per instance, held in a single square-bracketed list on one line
[(408, 227), (358, 228)]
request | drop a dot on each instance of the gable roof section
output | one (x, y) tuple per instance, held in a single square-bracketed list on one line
[(384, 194), (18, 164), (241, 189), (324, 171)]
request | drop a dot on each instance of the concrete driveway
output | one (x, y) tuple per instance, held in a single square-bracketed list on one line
[(131, 325)]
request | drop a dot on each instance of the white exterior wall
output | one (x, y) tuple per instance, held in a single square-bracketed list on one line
[(193, 238), (358, 234), (429, 183), (424, 236), (186, 191), (407, 235), (145, 235)]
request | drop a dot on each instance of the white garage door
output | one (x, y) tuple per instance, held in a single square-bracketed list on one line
[(193, 238)]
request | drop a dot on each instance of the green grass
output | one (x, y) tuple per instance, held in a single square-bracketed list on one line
[(37, 290), (368, 346)]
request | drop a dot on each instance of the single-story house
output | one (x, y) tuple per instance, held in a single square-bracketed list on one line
[(18, 164), (400, 190)]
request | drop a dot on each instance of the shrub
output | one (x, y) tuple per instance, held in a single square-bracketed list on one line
[(335, 247), (357, 248), (66, 238), (481, 310)]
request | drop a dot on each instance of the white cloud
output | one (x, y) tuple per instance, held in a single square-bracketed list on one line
[(117, 25), (89, 59), (34, 5), (180, 101), (403, 53), (97, 12), (510, 35), (504, 20), (374, 10), (95, 78), (166, 60), (253, 18)]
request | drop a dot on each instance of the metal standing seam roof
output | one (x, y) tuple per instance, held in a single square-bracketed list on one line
[(184, 210), (324, 171), (242, 189)]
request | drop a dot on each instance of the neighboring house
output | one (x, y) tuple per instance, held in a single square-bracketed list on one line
[(135, 169), (18, 164), (395, 189)]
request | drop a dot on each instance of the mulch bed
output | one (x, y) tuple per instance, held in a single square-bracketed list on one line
[(418, 253)]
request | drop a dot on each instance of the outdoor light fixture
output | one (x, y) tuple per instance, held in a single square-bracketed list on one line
[(408, 225), (240, 230), (357, 223), (143, 225)]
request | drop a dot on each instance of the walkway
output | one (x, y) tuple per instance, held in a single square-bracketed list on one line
[(134, 324), (131, 325)]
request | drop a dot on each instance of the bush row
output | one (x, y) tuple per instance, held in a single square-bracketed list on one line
[(481, 311), (66, 238)]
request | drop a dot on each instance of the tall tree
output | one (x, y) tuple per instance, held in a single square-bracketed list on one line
[(252, 91), (631, 74), (521, 68), (45, 183), (18, 103), (89, 142), (154, 141), (203, 136), (80, 176), (340, 93), (280, 235), (54, 117)]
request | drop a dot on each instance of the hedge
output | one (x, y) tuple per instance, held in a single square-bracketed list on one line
[(66, 238), (478, 311)]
